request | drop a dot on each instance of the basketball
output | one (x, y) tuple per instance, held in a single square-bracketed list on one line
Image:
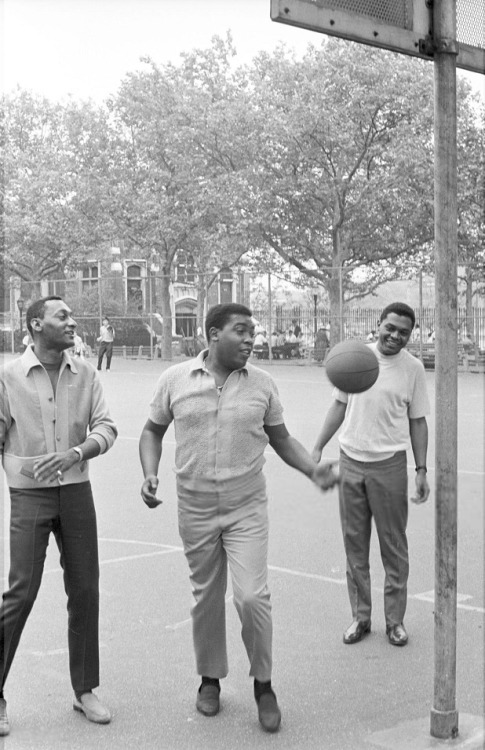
[(352, 366)]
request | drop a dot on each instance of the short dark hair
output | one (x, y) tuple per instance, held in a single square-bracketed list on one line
[(37, 310), (219, 315), (399, 308)]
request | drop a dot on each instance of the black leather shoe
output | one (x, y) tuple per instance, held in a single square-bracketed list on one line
[(208, 699), (397, 635), (356, 631), (268, 712)]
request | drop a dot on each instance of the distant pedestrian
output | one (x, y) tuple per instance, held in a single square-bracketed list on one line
[(53, 419), (26, 341), (79, 348), (467, 342), (105, 341), (321, 345)]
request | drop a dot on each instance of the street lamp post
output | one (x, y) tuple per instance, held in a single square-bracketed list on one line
[(20, 305), (154, 269)]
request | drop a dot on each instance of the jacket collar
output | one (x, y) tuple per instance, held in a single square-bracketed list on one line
[(29, 360)]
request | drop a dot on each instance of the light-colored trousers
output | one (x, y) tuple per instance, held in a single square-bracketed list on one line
[(221, 523), (379, 490)]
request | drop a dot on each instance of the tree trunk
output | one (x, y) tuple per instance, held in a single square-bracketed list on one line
[(166, 315), (333, 289)]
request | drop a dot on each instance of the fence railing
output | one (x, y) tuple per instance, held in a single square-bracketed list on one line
[(359, 322)]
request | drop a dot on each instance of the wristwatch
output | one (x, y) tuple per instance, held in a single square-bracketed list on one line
[(79, 452), (424, 468)]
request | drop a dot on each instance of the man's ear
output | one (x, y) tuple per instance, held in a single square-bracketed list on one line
[(213, 334), (36, 324)]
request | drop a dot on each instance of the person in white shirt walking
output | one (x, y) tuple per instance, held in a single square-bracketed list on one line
[(105, 340)]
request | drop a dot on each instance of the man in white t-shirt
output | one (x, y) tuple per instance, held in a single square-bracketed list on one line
[(378, 426)]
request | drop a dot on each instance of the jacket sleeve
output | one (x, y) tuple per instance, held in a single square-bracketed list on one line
[(101, 426), (5, 418)]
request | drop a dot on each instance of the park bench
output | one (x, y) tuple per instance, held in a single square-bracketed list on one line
[(287, 351), (471, 360), (131, 352)]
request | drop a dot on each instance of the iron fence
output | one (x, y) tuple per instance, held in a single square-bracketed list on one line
[(134, 309)]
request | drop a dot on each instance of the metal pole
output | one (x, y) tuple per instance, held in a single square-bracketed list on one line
[(150, 312), (100, 295), (421, 316), (270, 320), (444, 715), (12, 314), (341, 302)]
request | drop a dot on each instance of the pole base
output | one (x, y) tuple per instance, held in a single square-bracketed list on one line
[(444, 724)]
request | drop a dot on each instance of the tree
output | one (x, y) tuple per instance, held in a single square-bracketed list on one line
[(471, 197), (48, 227), (176, 171), (344, 177)]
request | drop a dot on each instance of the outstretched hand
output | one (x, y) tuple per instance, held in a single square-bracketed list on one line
[(325, 477)]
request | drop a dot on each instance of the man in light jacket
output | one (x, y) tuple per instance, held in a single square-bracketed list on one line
[(53, 419)]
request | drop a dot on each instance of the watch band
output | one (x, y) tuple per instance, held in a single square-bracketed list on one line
[(79, 452), (424, 468)]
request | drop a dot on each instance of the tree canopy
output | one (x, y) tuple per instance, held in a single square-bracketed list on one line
[(323, 164)]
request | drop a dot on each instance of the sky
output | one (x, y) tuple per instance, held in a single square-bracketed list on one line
[(84, 48)]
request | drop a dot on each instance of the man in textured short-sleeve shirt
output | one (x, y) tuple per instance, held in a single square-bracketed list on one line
[(225, 412)]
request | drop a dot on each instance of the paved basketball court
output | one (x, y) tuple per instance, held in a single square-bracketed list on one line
[(337, 697)]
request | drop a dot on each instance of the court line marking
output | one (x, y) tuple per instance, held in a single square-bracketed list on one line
[(175, 548), (127, 558), (310, 576), (166, 549)]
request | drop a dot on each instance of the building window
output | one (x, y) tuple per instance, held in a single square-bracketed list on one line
[(134, 293), (90, 276), (225, 281), (184, 268)]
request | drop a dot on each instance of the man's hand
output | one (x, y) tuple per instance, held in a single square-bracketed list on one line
[(422, 489), (325, 477), (52, 466), (149, 491)]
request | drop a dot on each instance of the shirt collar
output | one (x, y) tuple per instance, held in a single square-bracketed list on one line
[(29, 360), (198, 364)]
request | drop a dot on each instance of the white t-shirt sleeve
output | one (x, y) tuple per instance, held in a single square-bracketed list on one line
[(419, 405)]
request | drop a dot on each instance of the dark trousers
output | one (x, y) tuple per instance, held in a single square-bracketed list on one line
[(375, 490), (105, 347), (68, 512)]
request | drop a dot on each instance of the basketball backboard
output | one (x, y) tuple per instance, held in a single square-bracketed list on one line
[(400, 25)]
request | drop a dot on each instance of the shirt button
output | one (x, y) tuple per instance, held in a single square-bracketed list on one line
[(58, 439), (51, 399)]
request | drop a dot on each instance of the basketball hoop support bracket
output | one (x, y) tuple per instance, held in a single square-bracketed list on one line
[(427, 45)]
